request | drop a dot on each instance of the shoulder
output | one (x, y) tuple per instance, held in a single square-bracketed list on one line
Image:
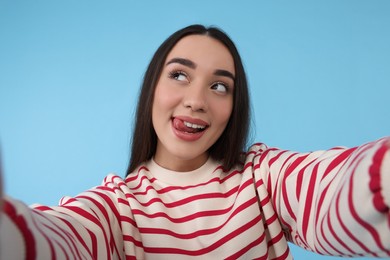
[(256, 150)]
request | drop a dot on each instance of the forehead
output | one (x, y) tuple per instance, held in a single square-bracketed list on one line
[(205, 51)]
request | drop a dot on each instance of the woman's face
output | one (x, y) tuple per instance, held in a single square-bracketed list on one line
[(193, 101)]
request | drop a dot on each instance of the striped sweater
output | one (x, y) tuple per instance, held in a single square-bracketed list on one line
[(333, 202)]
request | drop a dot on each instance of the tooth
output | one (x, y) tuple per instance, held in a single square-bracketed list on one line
[(188, 124)]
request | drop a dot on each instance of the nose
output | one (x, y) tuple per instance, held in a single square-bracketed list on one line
[(195, 98)]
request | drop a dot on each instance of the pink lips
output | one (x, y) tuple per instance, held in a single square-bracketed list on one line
[(178, 128)]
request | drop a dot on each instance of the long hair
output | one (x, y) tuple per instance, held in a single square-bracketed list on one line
[(230, 145)]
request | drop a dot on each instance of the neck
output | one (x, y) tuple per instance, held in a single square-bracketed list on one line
[(180, 164)]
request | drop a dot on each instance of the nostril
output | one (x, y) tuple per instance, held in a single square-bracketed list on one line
[(196, 106)]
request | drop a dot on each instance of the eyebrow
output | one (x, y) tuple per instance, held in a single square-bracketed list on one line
[(192, 65), (224, 73), (182, 61)]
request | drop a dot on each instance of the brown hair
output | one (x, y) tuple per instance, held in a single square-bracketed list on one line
[(228, 148)]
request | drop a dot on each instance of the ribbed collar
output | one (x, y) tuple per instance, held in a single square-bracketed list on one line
[(194, 177)]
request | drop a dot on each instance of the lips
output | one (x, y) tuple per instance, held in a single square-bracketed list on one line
[(188, 129)]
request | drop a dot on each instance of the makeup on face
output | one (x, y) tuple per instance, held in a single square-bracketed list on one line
[(193, 101)]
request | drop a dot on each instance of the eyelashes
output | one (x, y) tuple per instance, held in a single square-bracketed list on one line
[(178, 75), (218, 86)]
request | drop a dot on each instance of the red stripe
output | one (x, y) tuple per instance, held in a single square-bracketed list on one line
[(276, 158), (350, 202), (319, 207), (262, 157), (309, 200), (70, 226), (65, 252), (200, 214), (198, 233), (205, 250), (273, 217), (114, 185), (21, 223), (104, 211), (341, 158), (333, 164), (172, 188), (78, 236), (94, 244), (361, 221), (48, 240), (278, 180), (340, 242), (194, 198), (144, 192), (190, 199), (325, 238), (348, 232), (131, 177), (263, 257), (240, 253), (375, 182), (259, 183), (335, 236), (123, 201), (138, 184), (61, 235), (128, 220), (131, 239), (92, 219), (285, 255), (270, 164), (285, 189), (63, 202), (275, 239), (273, 175), (270, 219), (195, 215)]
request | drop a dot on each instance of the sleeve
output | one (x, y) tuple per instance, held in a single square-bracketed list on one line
[(333, 202), (97, 224)]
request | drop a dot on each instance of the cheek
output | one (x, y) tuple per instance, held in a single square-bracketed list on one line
[(224, 112), (164, 98), (165, 101), (156, 108)]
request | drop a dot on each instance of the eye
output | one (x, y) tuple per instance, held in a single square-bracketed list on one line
[(220, 87), (178, 75)]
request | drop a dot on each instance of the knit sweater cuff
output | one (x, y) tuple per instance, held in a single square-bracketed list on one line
[(385, 170), (380, 179)]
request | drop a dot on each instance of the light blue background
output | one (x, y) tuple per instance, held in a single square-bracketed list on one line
[(70, 71)]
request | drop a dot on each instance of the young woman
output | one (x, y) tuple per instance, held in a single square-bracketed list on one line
[(191, 191)]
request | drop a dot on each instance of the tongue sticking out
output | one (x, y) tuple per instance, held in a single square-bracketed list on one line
[(179, 125)]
